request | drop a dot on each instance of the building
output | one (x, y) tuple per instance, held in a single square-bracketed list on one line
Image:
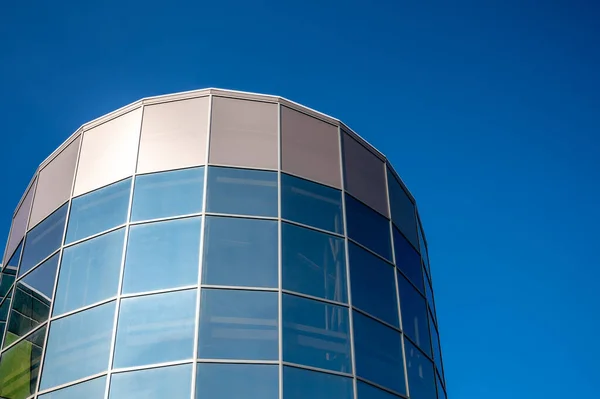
[(217, 244)]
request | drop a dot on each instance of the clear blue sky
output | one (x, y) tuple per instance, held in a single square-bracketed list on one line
[(488, 109)]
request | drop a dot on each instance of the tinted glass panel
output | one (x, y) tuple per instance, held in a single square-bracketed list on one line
[(414, 314), (368, 227), (242, 191), (89, 272), (4, 309), (311, 203), (420, 373), (162, 255), (92, 389), (302, 384), (408, 260), (429, 293), (7, 278), (166, 382), (229, 381), (241, 252), (437, 350), (378, 351), (366, 391), (166, 194), (423, 248), (13, 262), (315, 334), (373, 285), (403, 210), (44, 239), (78, 346), (237, 324), (155, 329), (98, 211), (440, 389)]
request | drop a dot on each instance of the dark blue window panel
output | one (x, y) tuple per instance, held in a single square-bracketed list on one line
[(92, 389), (373, 285), (437, 350), (440, 389), (240, 252), (313, 263), (378, 351), (166, 382), (311, 203), (302, 384), (242, 191), (367, 391), (408, 260), (423, 248), (403, 210), (13, 262), (421, 379), (166, 194), (229, 381), (99, 210), (368, 227), (316, 334), (429, 293), (44, 239), (414, 314)]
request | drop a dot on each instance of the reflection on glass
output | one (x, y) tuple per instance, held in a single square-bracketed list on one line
[(20, 367), (311, 203), (241, 191), (368, 227), (162, 255), (403, 210), (367, 391), (302, 384), (236, 324), (423, 248), (44, 239), (429, 293), (421, 381), (408, 260), (155, 328), (315, 334), (166, 382), (98, 211), (437, 350), (414, 314), (13, 262), (92, 389), (78, 346), (228, 381), (373, 285), (313, 263), (240, 252), (165, 194)]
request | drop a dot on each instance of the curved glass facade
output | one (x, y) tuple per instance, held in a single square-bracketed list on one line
[(217, 244)]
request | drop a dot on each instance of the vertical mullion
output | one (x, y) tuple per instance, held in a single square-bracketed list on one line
[(279, 253)]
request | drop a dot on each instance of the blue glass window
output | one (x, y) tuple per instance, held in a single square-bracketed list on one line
[(7, 278), (92, 389), (367, 391), (162, 255), (155, 329), (241, 191), (302, 384), (44, 239), (373, 285), (440, 389), (437, 350), (240, 252), (316, 334), (408, 260), (236, 324), (429, 293), (89, 272), (98, 211), (78, 346), (378, 351), (159, 383), (403, 210), (313, 263), (368, 227), (13, 262), (228, 381), (165, 194), (421, 380), (311, 203), (414, 314), (423, 247)]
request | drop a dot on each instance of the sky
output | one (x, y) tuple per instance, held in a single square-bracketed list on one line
[(488, 110)]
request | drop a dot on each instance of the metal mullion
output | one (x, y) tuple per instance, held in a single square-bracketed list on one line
[(21, 339), (318, 369), (279, 255), (313, 228), (72, 383), (315, 298)]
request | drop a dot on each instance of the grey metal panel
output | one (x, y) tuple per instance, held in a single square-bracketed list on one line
[(364, 175), (243, 133), (173, 135), (108, 152), (310, 148), (19, 223), (55, 183)]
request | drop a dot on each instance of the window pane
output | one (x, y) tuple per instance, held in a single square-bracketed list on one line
[(236, 324), (423, 248), (366, 391), (230, 381), (98, 211), (92, 389), (162, 255), (437, 350), (315, 334), (242, 191), (420, 373), (44, 239), (373, 285), (166, 194), (403, 210), (78, 346), (311, 203), (302, 384), (378, 351), (440, 389), (13, 262), (408, 260), (368, 227), (89, 272), (313, 263), (155, 329), (240, 252), (166, 382), (4, 309), (429, 293), (7, 276), (20, 367), (414, 314)]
